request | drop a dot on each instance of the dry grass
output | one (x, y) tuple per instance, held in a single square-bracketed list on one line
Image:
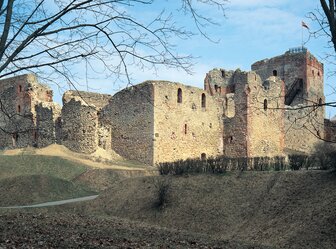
[(284, 209)]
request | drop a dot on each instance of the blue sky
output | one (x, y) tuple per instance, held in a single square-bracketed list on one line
[(252, 30)]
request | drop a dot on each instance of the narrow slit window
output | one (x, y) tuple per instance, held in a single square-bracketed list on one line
[(20, 88), (265, 104), (185, 129), (19, 108), (203, 100), (179, 95)]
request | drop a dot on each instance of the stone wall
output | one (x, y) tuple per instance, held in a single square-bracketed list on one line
[(187, 123), (48, 114), (218, 82), (330, 130), (304, 115), (235, 123), (18, 96), (131, 114), (265, 117), (97, 99), (79, 126), (303, 128)]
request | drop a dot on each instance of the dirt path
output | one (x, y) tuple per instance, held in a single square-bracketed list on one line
[(54, 203)]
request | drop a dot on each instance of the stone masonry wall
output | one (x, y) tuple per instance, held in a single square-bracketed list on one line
[(265, 116), (235, 123), (132, 118), (303, 128), (330, 130), (79, 126), (48, 114), (17, 120), (187, 123)]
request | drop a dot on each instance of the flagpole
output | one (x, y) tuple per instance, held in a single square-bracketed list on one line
[(301, 36)]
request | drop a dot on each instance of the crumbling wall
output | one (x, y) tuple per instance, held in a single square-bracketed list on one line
[(132, 117), (79, 126), (304, 97), (47, 115), (16, 115), (303, 128), (330, 130), (265, 116), (218, 82), (235, 123), (187, 123), (97, 99)]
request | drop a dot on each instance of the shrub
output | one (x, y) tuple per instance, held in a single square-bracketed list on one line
[(162, 187), (297, 162), (325, 155)]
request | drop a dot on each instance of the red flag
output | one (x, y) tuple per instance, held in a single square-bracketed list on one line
[(304, 25)]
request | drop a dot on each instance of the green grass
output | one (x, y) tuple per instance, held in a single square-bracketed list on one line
[(30, 189), (20, 165), (28, 179)]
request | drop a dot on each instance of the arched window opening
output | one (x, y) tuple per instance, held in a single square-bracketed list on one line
[(230, 139), (216, 88), (179, 95), (15, 138), (19, 108), (20, 88), (185, 129), (275, 73), (223, 73), (265, 104), (203, 100), (320, 101), (203, 156)]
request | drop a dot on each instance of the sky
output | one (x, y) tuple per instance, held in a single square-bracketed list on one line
[(252, 30)]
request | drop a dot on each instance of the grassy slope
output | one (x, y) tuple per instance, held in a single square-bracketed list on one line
[(29, 189), (285, 209), (28, 179), (39, 165)]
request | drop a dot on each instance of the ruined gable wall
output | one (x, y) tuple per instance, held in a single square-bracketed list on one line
[(132, 118), (79, 126), (89, 98), (186, 129), (218, 82), (265, 116)]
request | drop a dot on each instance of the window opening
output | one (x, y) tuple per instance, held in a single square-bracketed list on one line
[(179, 95), (216, 88), (275, 73), (185, 129), (203, 100), (265, 104), (203, 156)]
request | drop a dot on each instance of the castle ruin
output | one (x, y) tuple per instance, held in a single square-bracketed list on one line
[(275, 109)]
